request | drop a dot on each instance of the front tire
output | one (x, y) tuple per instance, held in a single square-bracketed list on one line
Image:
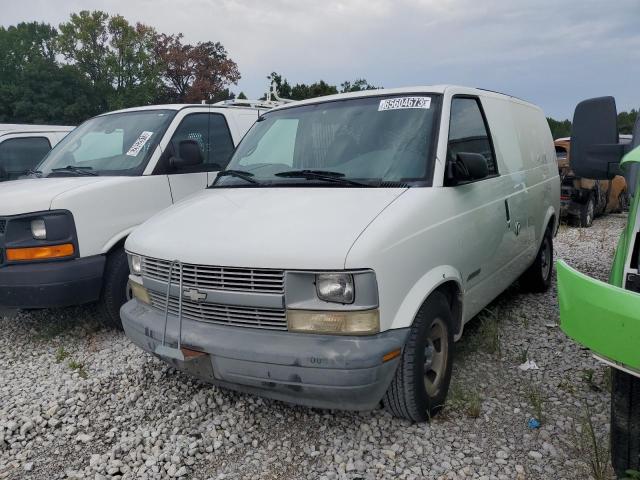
[(421, 382), (114, 288), (537, 278), (625, 422)]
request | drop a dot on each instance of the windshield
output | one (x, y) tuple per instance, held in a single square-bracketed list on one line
[(370, 141), (114, 144)]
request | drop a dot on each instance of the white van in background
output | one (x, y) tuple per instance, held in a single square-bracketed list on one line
[(350, 239), (62, 232), (22, 147)]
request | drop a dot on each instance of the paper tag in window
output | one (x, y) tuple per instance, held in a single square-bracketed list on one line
[(400, 103), (139, 143)]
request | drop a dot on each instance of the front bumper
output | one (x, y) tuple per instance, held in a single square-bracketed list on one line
[(324, 371), (600, 316), (51, 284)]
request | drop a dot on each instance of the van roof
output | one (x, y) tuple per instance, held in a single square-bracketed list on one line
[(181, 106), (18, 128), (439, 89)]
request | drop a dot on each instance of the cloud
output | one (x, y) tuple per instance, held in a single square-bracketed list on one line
[(551, 53)]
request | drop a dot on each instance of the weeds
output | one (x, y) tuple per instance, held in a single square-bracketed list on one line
[(587, 377), (594, 448), (536, 398), (523, 356), (489, 334), (467, 401), (631, 475), (61, 354), (79, 367)]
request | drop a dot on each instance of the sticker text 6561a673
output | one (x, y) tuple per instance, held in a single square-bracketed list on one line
[(404, 102)]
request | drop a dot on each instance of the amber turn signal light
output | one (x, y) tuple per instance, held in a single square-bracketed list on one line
[(40, 253)]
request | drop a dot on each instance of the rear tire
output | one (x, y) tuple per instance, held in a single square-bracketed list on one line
[(419, 388), (587, 212), (537, 278), (625, 422), (114, 288)]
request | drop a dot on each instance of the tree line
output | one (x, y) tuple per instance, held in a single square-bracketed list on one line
[(96, 62)]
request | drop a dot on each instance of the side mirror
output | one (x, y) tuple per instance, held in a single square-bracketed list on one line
[(595, 148), (467, 166), (189, 155)]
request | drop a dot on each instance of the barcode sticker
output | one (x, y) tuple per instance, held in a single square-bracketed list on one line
[(139, 143), (404, 102)]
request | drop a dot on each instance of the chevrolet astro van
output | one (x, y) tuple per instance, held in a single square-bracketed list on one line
[(62, 232), (351, 237)]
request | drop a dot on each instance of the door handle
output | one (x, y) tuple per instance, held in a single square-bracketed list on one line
[(508, 213)]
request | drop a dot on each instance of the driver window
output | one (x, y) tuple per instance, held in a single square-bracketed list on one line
[(468, 132)]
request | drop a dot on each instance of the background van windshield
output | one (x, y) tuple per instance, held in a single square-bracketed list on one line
[(369, 140), (115, 144)]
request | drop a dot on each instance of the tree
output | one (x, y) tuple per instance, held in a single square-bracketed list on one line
[(194, 73), (241, 96), (357, 86), (626, 121), (558, 128)]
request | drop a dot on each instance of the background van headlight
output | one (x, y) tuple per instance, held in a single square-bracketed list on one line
[(135, 264), (39, 229), (335, 287)]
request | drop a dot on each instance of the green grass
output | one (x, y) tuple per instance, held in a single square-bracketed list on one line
[(79, 367), (465, 400), (61, 354), (593, 448)]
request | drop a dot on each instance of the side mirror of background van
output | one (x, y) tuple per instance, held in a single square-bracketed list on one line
[(595, 148), (467, 166), (189, 155)]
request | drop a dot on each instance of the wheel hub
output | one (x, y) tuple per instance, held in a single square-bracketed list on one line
[(435, 356)]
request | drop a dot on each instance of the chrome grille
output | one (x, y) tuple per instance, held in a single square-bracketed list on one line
[(232, 315), (217, 278)]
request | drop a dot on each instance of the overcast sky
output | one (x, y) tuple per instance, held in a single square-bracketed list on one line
[(550, 52)]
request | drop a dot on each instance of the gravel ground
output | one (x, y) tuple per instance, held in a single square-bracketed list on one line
[(79, 401)]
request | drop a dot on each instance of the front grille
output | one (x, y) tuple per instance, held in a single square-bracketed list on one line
[(265, 318), (3, 226), (217, 278)]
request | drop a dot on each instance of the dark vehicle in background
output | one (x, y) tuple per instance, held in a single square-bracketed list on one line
[(22, 147), (583, 199)]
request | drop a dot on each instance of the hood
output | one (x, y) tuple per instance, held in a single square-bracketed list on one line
[(283, 228), (37, 194)]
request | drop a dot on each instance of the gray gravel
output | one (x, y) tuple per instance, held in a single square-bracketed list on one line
[(79, 401)]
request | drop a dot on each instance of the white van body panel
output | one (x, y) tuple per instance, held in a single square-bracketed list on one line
[(304, 228), (103, 211)]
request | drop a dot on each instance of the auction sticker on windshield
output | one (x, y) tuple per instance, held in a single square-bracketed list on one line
[(139, 143), (404, 102)]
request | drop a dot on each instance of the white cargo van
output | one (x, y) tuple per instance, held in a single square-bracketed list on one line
[(22, 147), (62, 234), (349, 240)]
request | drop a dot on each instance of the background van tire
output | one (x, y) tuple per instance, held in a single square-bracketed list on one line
[(625, 422), (417, 392), (537, 278), (114, 288), (587, 212)]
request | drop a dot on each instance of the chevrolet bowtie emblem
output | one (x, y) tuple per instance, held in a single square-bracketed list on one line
[(194, 295)]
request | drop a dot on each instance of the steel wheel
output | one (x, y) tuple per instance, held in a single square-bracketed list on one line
[(436, 354)]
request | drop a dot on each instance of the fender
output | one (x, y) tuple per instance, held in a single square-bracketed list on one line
[(551, 212), (116, 238), (421, 290)]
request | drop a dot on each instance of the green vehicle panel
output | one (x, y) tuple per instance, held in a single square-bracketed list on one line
[(604, 317)]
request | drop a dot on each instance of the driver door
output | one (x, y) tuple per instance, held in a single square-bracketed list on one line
[(211, 133)]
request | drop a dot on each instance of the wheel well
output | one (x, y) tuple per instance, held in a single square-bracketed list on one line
[(451, 290), (551, 224), (117, 245)]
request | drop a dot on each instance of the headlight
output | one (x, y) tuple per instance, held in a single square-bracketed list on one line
[(139, 292), (335, 287), (135, 264), (356, 322), (38, 229)]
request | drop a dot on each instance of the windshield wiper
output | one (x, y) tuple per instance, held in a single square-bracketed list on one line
[(33, 171), (325, 175), (77, 170), (246, 176)]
